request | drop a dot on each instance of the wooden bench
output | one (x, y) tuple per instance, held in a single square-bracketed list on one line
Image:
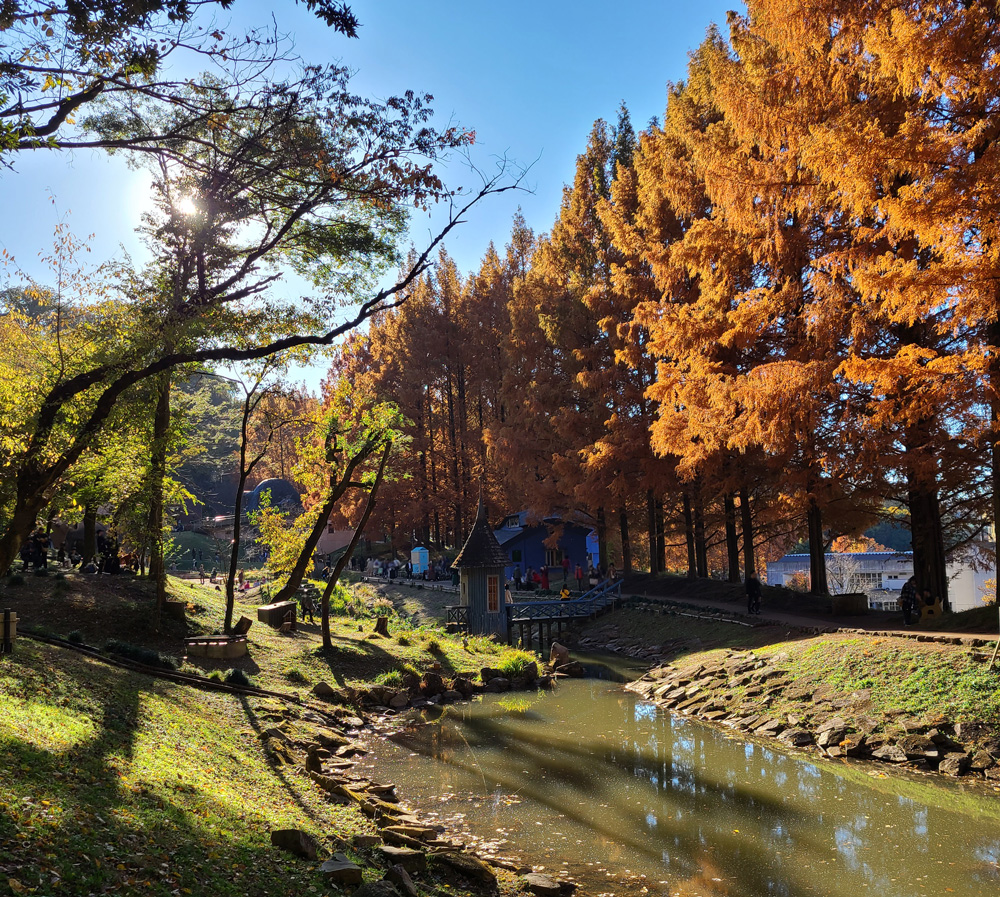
[(222, 647), (927, 611), (276, 614)]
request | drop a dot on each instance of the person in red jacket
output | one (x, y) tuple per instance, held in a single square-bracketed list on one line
[(579, 578), (545, 578)]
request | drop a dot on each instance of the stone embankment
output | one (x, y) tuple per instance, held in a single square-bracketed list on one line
[(760, 696), (433, 688), (404, 846)]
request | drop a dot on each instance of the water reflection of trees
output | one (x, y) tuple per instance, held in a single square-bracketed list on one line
[(684, 803)]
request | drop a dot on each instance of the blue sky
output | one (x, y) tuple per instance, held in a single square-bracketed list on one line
[(529, 77)]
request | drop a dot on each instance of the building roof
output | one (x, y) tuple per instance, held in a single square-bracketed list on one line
[(481, 549), (509, 532), (283, 495), (852, 554)]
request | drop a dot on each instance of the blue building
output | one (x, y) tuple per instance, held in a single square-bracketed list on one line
[(524, 545)]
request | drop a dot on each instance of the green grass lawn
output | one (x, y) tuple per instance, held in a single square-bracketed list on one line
[(119, 783), (116, 782)]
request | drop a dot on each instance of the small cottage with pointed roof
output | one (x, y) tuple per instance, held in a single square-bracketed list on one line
[(481, 564)]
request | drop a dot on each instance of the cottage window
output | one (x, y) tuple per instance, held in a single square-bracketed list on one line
[(464, 600), (553, 557), (492, 594), (515, 555)]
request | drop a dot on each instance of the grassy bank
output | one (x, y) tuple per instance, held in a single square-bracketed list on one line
[(881, 689), (98, 609), (125, 784), (117, 782)]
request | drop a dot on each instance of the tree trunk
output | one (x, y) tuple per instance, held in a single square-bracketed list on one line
[(425, 536), (651, 522), (927, 542), (732, 540), (298, 572), (626, 543), (700, 546), (602, 538), (89, 551), (245, 471), (337, 491), (661, 537), (345, 558), (456, 484), (157, 475), (689, 537), (746, 525), (994, 435), (817, 557)]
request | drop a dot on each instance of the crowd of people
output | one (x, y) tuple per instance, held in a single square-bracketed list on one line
[(541, 579), (37, 548)]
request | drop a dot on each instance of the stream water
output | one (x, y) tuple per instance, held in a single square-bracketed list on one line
[(627, 799)]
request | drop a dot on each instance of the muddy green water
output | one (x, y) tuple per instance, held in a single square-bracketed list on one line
[(628, 800)]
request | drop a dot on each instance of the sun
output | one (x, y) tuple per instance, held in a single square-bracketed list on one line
[(186, 206)]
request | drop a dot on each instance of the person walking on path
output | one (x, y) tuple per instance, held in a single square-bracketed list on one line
[(753, 594), (565, 566), (579, 579)]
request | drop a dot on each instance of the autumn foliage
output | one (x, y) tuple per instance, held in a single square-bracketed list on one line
[(771, 317)]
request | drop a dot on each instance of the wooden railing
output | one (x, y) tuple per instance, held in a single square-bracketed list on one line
[(590, 603), (459, 615)]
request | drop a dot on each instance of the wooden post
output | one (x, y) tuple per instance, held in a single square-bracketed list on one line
[(6, 645), (992, 659)]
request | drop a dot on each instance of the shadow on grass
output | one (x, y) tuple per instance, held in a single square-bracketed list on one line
[(102, 802)]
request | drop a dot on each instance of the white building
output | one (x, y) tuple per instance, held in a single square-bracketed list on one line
[(881, 574)]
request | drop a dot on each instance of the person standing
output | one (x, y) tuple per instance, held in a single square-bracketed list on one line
[(545, 579), (565, 566), (308, 608), (579, 578), (753, 594), (517, 577), (908, 599)]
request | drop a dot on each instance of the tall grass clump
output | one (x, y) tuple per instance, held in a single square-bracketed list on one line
[(390, 679), (513, 662)]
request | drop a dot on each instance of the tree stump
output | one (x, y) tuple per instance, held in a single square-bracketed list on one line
[(382, 626)]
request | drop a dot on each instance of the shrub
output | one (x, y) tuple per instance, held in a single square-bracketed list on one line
[(215, 675), (42, 571), (294, 674), (433, 646), (484, 644), (76, 637), (513, 662), (402, 640), (139, 654), (237, 677), (15, 579), (391, 679)]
